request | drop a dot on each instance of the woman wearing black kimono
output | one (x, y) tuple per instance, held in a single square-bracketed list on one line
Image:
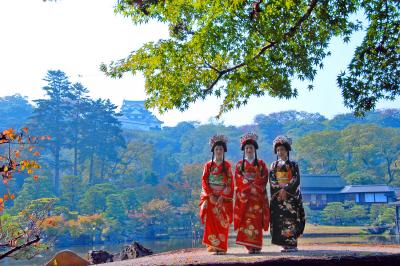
[(287, 212)]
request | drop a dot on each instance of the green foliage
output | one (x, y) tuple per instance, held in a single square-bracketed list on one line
[(129, 198), (319, 152), (14, 111), (333, 213), (382, 215), (115, 208), (71, 191), (94, 199), (374, 72), (51, 116), (33, 190), (239, 49), (361, 153)]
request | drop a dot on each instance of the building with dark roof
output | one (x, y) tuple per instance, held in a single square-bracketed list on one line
[(136, 116), (367, 194), (319, 190)]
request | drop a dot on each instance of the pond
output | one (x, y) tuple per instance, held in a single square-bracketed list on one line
[(171, 244)]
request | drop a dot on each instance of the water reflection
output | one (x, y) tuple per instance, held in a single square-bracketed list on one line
[(171, 244)]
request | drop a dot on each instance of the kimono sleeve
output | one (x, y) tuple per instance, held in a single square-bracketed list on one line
[(239, 178), (228, 191), (263, 180), (204, 180), (272, 177)]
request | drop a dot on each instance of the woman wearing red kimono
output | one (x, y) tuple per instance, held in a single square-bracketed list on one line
[(216, 205), (251, 212)]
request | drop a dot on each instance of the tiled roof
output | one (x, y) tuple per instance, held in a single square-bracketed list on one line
[(317, 192), (366, 188), (322, 182)]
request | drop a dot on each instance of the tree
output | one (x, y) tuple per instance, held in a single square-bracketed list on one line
[(129, 199), (14, 111), (51, 116), (101, 138), (239, 49), (135, 162), (94, 199), (371, 149), (333, 213), (71, 191), (20, 235), (115, 208), (16, 152), (318, 152), (33, 190), (79, 107)]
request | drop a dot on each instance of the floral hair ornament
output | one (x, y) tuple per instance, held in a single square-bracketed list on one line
[(249, 138), (217, 140), (282, 140)]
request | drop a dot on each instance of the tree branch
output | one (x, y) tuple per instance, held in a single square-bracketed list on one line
[(271, 44), (27, 244)]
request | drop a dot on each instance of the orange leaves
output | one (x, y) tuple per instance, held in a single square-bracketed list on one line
[(8, 196), (1, 205), (12, 161), (8, 132), (52, 221)]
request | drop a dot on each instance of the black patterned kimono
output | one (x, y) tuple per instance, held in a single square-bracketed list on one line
[(287, 215)]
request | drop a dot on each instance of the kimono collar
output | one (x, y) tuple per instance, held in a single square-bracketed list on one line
[(250, 161)]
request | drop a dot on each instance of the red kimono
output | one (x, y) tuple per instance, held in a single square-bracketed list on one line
[(216, 219), (251, 213)]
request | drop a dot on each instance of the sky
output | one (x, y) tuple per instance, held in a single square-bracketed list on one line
[(76, 36)]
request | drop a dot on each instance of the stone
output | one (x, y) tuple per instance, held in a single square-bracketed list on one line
[(133, 251), (100, 256)]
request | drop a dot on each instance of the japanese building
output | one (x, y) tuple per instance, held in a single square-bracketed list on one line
[(319, 190), (136, 116)]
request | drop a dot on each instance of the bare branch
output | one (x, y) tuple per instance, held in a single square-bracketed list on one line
[(27, 244)]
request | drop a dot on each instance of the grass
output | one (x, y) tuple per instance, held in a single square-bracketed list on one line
[(331, 229)]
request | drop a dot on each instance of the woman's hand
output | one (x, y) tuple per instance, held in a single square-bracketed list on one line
[(220, 201), (213, 199), (282, 194)]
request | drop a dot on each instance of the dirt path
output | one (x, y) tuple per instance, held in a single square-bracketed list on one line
[(307, 255)]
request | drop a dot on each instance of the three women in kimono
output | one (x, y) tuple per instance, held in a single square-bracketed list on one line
[(251, 214)]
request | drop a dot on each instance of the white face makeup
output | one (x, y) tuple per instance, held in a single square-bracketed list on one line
[(282, 152), (249, 151), (218, 152)]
